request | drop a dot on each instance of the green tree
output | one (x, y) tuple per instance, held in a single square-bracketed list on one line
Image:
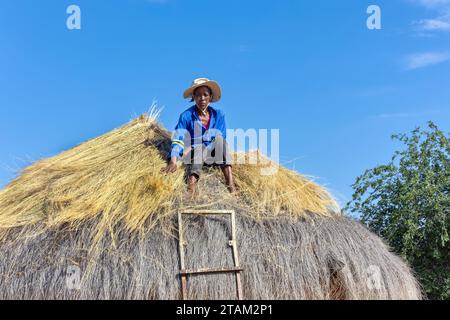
[(407, 203)]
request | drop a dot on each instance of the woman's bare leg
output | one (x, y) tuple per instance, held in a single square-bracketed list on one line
[(228, 173)]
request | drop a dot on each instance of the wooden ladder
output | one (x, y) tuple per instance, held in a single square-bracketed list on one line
[(232, 242)]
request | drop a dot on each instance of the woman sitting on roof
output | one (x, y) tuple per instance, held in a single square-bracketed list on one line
[(203, 128)]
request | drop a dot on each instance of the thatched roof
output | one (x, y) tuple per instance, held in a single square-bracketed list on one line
[(104, 207)]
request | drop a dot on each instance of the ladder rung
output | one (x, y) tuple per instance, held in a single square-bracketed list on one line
[(207, 212), (210, 270)]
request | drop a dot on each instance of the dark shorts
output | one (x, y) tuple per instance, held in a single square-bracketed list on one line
[(217, 154)]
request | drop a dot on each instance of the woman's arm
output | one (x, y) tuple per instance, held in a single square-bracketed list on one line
[(221, 125)]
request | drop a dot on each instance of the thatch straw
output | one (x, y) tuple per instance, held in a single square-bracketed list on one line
[(317, 258), (104, 207), (117, 177)]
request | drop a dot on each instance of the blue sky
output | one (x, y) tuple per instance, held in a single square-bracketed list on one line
[(335, 89)]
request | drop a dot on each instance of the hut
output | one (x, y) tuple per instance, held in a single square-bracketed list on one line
[(100, 221)]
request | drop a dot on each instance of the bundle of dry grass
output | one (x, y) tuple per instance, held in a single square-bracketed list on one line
[(104, 207), (116, 176)]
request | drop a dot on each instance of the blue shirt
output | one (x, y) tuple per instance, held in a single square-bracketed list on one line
[(190, 130)]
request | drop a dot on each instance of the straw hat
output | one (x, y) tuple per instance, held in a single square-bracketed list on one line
[(200, 82)]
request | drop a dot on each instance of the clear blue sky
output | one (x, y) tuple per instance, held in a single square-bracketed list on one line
[(335, 89)]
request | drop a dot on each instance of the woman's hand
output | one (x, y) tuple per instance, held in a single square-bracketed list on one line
[(171, 167)]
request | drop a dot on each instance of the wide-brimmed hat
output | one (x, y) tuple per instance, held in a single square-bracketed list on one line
[(200, 82)]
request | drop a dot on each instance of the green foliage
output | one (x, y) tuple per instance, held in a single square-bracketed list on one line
[(407, 203)]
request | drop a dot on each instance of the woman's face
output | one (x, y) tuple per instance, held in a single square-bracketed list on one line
[(202, 97)]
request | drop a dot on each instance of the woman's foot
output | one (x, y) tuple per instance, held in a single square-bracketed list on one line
[(192, 185), (232, 189)]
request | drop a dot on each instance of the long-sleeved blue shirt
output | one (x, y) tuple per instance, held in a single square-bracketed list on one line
[(190, 130)]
